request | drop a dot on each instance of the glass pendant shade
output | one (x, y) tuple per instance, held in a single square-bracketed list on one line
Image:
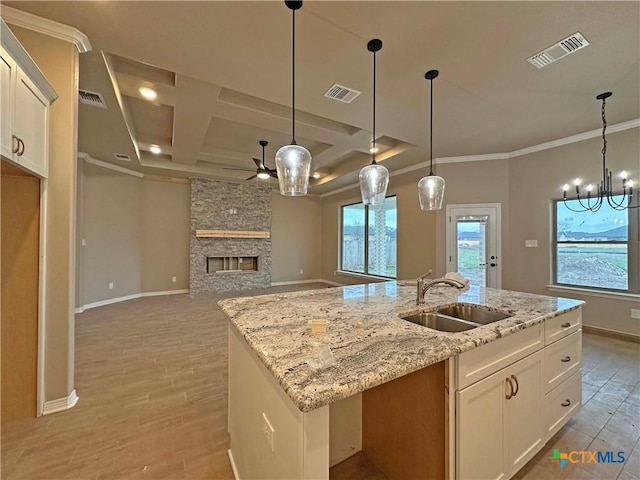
[(431, 192), (293, 163), (374, 179)]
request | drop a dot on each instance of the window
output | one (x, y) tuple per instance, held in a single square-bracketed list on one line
[(373, 253), (596, 249)]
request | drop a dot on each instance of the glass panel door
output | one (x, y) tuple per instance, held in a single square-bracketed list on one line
[(473, 243), (472, 248)]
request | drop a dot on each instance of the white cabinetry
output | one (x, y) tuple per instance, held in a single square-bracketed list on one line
[(562, 370), (512, 395), (25, 98), (498, 427)]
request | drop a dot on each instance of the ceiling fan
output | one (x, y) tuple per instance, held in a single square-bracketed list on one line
[(262, 172)]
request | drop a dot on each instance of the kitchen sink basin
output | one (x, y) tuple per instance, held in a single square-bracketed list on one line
[(440, 322), (471, 313)]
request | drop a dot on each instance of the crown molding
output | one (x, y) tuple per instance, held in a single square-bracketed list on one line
[(47, 27), (618, 127), (89, 159)]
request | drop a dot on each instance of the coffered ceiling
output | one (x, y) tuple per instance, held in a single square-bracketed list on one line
[(222, 72)]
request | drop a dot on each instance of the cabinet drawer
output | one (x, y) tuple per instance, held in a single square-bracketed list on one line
[(562, 325), (562, 403), (562, 359), (481, 362)]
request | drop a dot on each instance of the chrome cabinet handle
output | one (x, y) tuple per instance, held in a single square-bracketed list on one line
[(565, 325), (21, 151), (515, 379), (510, 394), (566, 403), (15, 141), (566, 359)]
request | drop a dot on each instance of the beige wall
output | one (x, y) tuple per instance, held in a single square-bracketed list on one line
[(58, 60), (111, 210), (416, 230), (165, 235), (295, 238), (136, 233)]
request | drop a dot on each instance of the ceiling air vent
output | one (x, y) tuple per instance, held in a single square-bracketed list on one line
[(342, 93), (561, 49), (122, 156), (91, 98)]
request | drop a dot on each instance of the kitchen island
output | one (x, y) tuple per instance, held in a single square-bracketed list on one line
[(295, 398)]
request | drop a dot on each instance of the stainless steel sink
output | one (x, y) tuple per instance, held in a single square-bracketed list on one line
[(442, 323), (472, 313)]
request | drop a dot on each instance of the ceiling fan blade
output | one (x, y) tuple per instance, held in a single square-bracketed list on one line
[(258, 163), (250, 178)]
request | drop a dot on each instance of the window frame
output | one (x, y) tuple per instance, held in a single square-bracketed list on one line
[(633, 253), (366, 273)]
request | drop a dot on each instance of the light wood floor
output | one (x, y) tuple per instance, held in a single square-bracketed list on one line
[(151, 375)]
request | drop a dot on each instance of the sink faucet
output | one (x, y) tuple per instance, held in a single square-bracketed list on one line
[(424, 285)]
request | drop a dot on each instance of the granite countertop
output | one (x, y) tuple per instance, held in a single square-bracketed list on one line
[(371, 344)]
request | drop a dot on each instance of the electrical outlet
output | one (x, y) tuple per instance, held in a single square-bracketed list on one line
[(635, 313), (268, 432), (110, 285), (174, 279)]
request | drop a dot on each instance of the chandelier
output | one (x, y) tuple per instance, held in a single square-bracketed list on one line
[(604, 191)]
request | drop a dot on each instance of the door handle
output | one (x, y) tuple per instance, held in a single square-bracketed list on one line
[(566, 325), (515, 379), (493, 264), (566, 403), (15, 141), (510, 394), (21, 150), (565, 359)]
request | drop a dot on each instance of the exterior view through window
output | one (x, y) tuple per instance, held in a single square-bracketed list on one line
[(592, 249), (373, 253)]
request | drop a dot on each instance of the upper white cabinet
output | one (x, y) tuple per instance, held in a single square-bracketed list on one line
[(25, 99)]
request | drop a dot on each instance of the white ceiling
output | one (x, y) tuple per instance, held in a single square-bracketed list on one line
[(222, 71)]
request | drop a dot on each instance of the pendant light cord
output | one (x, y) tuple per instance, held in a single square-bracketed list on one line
[(293, 77), (431, 131), (374, 110)]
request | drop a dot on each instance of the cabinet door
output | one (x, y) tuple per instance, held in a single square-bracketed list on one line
[(7, 72), (479, 429), (524, 427), (31, 125)]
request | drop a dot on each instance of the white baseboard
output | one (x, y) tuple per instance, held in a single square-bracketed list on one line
[(60, 404), (233, 465), (128, 297)]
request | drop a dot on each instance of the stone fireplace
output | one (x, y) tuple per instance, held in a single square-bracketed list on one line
[(230, 238)]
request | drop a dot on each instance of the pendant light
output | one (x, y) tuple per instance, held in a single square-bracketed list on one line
[(293, 162), (374, 178), (431, 187)]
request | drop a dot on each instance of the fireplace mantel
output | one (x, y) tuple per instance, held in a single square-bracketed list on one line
[(233, 234)]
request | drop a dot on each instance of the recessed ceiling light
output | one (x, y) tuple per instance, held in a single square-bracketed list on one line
[(148, 93), (374, 150), (155, 149), (316, 175)]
